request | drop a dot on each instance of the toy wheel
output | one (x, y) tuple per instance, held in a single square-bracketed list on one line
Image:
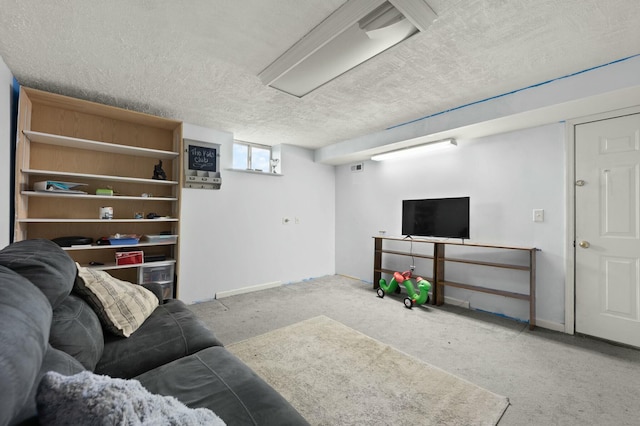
[(380, 293), (408, 303)]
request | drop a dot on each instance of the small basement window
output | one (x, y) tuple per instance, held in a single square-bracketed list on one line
[(253, 157)]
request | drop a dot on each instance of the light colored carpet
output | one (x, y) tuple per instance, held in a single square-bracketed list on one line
[(335, 375)]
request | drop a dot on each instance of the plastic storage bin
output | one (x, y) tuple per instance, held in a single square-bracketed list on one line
[(167, 290), (161, 274), (160, 238)]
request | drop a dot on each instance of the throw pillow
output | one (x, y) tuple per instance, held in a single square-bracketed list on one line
[(102, 400), (121, 306)]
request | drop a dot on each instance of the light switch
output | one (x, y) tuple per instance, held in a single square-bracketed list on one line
[(538, 215)]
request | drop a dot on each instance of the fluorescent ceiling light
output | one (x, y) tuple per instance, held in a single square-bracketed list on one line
[(416, 150), (356, 32)]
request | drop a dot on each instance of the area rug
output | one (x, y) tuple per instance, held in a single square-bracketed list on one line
[(334, 375)]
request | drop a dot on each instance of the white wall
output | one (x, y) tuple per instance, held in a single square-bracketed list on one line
[(506, 176), (6, 83), (234, 238)]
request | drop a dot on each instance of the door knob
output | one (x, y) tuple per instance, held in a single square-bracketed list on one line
[(584, 244)]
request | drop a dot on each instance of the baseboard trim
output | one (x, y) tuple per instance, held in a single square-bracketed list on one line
[(457, 302), (250, 289), (550, 325), (354, 278)]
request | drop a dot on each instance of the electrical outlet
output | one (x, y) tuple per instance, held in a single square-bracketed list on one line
[(538, 215)]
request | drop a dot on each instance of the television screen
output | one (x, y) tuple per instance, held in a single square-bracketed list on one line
[(436, 217)]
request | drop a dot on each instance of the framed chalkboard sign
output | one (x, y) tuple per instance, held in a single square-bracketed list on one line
[(201, 164), (203, 158)]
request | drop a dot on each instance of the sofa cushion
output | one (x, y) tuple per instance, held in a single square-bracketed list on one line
[(76, 330), (214, 378), (101, 400), (171, 331), (43, 263), (121, 306), (25, 319), (54, 360), (61, 362)]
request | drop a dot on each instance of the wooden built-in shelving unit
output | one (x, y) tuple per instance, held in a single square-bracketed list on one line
[(66, 139)]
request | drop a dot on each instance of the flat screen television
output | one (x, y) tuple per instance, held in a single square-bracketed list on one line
[(436, 217)]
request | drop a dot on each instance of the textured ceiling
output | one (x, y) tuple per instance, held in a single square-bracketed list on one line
[(198, 61)]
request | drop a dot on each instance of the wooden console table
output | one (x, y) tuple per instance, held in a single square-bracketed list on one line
[(439, 259)]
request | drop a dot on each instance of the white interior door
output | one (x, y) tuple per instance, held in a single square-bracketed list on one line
[(607, 236)]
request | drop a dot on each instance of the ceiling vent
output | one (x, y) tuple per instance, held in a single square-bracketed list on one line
[(355, 168), (356, 32)]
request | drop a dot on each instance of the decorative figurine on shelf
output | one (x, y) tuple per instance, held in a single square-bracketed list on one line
[(404, 278), (158, 173), (274, 165)]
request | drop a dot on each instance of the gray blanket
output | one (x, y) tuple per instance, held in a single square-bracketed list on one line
[(90, 399)]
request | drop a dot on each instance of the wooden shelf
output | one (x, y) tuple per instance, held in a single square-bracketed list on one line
[(95, 197), (487, 290), (61, 138), (89, 176), (451, 242), (70, 142), (103, 221), (113, 266), (414, 273), (402, 253), (495, 265), (439, 259), (112, 247), (62, 102)]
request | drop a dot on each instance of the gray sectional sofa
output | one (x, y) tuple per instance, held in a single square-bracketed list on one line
[(46, 325)]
